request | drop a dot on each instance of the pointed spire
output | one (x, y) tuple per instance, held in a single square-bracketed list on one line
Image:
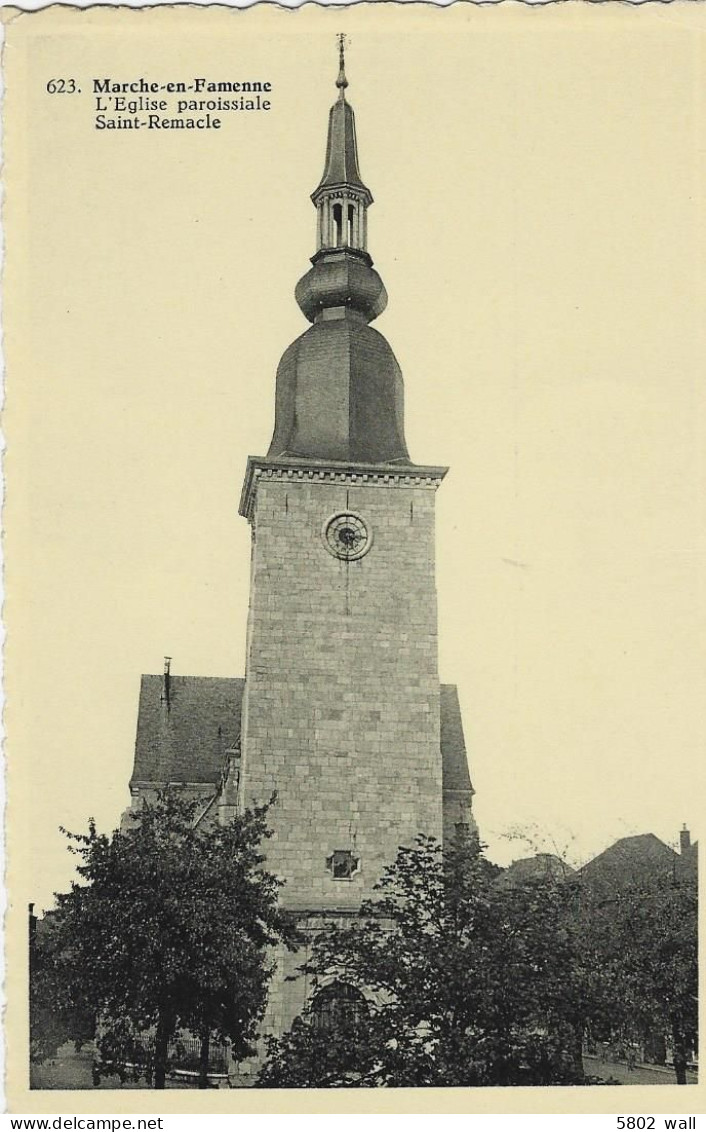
[(342, 81), (341, 165), (342, 197)]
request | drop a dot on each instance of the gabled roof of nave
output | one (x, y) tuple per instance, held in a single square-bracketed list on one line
[(188, 741)]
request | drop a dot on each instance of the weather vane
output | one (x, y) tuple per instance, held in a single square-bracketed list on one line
[(342, 81)]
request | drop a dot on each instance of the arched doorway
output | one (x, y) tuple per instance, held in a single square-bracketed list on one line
[(340, 1016)]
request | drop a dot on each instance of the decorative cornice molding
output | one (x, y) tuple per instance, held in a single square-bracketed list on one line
[(334, 472), (327, 912), (458, 791), (137, 785)]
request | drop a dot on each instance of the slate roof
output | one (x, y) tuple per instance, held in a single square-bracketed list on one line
[(639, 860), (454, 764), (543, 866), (631, 860), (339, 392), (642, 847), (187, 742), (341, 164)]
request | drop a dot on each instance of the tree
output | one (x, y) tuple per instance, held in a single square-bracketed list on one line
[(465, 982), (169, 929), (641, 942), (53, 1019)]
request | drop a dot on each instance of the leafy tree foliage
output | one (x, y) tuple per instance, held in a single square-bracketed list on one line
[(53, 1018), (168, 929), (467, 983), (640, 942)]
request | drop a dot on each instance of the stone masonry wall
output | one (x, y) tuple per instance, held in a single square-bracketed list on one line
[(341, 706)]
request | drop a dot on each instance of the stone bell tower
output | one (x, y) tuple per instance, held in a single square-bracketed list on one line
[(342, 707), (341, 713)]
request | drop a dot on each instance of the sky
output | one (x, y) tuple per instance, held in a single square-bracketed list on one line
[(538, 223)]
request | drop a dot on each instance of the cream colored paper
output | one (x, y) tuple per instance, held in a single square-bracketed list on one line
[(539, 224)]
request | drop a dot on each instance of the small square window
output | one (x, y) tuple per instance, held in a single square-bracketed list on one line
[(342, 864)]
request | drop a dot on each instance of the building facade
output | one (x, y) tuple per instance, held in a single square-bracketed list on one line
[(341, 714)]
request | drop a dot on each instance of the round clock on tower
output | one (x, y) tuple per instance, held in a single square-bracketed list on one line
[(347, 536)]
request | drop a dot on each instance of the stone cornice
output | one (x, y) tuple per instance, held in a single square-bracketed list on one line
[(334, 472), (314, 914), (458, 791), (136, 785)]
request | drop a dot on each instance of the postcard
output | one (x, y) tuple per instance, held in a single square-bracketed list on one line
[(354, 540)]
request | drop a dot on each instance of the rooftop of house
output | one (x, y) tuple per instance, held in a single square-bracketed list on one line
[(632, 860), (541, 866)]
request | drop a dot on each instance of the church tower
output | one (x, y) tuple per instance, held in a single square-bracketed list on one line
[(342, 711)]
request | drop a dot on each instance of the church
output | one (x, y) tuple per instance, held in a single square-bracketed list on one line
[(340, 711)]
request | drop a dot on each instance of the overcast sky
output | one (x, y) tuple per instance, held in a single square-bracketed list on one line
[(538, 223)]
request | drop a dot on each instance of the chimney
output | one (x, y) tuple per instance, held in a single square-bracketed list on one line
[(684, 839), (167, 681)]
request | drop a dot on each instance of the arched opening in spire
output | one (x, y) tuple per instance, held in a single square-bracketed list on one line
[(337, 225)]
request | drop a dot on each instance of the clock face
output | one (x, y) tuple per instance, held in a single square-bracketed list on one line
[(346, 536)]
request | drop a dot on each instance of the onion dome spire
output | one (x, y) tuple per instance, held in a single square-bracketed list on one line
[(339, 387)]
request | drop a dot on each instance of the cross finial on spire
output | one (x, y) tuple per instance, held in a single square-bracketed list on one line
[(342, 81)]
